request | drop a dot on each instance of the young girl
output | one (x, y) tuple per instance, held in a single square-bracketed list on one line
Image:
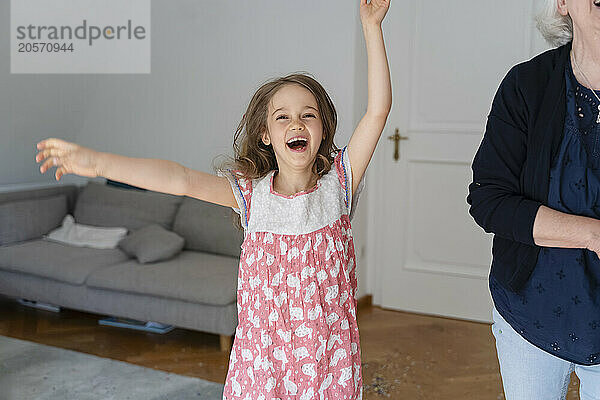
[(295, 192)]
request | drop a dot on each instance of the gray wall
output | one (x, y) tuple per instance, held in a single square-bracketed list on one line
[(208, 58)]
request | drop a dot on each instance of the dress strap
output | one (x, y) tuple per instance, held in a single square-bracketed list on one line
[(242, 191), (344, 172), (341, 173)]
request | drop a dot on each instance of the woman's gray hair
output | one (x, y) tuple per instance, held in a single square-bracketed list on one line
[(556, 28)]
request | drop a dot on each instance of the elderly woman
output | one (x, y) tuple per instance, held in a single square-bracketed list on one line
[(536, 186)]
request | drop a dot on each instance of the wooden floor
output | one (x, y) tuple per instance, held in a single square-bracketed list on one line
[(405, 356)]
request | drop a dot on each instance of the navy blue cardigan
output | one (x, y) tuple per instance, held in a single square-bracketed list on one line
[(511, 168)]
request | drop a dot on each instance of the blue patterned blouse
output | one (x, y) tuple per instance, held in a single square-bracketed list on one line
[(558, 310)]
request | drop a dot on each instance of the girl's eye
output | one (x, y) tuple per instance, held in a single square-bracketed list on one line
[(309, 115), (280, 117)]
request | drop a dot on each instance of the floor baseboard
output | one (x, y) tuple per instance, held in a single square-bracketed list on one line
[(365, 301)]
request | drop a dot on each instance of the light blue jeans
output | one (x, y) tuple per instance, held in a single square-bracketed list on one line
[(530, 373)]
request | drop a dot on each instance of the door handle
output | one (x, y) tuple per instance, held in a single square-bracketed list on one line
[(397, 138)]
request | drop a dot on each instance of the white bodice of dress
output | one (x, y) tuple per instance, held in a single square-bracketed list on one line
[(298, 214), (302, 213)]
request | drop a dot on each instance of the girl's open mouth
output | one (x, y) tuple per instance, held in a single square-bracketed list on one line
[(597, 3), (298, 144)]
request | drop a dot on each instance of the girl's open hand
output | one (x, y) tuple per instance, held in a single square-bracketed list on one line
[(69, 158), (374, 11)]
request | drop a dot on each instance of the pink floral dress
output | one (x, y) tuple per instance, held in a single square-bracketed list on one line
[(297, 334)]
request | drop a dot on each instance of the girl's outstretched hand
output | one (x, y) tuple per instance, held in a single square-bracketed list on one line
[(69, 158), (374, 11)]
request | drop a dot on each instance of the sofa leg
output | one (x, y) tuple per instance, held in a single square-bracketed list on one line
[(225, 342)]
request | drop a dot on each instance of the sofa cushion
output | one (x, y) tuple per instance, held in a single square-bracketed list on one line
[(81, 235), (191, 276), (30, 219), (207, 227), (152, 243), (54, 189), (57, 261), (108, 206)]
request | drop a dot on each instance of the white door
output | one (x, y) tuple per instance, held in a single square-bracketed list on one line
[(426, 254)]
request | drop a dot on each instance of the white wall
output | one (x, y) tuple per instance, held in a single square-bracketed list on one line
[(208, 58)]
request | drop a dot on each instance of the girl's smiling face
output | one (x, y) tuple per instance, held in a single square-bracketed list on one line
[(294, 127)]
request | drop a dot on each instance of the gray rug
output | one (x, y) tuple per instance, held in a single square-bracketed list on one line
[(31, 371)]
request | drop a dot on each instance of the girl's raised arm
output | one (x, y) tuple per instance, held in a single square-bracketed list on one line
[(366, 135), (209, 187), (149, 173)]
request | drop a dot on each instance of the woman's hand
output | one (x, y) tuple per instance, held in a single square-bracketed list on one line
[(593, 241), (69, 158), (553, 228), (372, 13)]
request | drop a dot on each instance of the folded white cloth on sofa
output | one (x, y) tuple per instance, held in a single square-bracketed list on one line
[(86, 235)]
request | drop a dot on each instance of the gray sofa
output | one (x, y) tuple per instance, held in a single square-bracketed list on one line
[(195, 289)]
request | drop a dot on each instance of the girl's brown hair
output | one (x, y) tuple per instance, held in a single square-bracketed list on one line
[(252, 158)]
